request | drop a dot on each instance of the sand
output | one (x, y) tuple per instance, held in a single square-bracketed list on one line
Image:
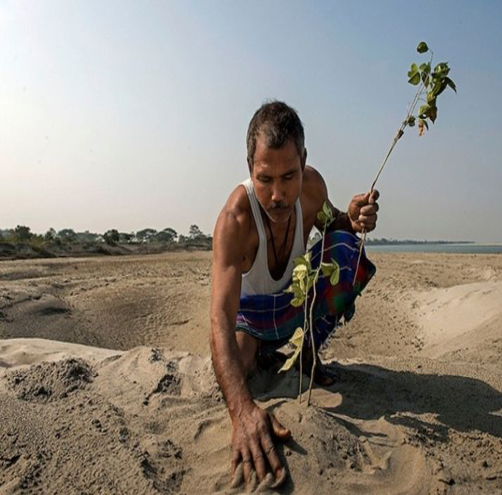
[(106, 384)]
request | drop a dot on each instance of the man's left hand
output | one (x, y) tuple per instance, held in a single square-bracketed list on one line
[(362, 211)]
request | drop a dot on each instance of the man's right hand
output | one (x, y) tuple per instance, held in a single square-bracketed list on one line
[(253, 449), (253, 446)]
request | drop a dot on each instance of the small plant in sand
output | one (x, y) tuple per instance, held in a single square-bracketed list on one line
[(304, 281), (430, 84)]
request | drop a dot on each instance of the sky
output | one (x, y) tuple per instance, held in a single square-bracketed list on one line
[(126, 114)]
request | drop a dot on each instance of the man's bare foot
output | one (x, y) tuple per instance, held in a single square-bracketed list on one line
[(269, 359), (321, 375)]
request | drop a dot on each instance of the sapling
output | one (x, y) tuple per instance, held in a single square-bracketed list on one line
[(303, 281), (430, 84)]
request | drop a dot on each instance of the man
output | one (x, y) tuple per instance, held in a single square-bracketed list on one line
[(263, 226)]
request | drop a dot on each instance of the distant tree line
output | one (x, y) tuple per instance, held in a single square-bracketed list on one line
[(23, 234), (195, 238)]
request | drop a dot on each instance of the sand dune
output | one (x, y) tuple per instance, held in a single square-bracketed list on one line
[(163, 417), (462, 317), (115, 393), (17, 354)]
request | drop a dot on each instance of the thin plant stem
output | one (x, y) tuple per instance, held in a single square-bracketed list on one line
[(314, 353), (314, 294), (305, 323), (399, 134), (397, 137)]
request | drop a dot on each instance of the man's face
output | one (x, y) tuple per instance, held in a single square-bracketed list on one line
[(277, 176)]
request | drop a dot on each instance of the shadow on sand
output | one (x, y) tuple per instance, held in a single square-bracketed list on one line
[(461, 403)]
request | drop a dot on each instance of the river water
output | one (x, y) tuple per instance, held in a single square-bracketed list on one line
[(437, 248)]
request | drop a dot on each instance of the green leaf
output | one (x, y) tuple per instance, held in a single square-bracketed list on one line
[(443, 86), (433, 114), (321, 217), (425, 67), (303, 285), (450, 83), (296, 290), (424, 110), (415, 79), (299, 292), (300, 261), (422, 47), (291, 361), (297, 337), (297, 301), (431, 98), (413, 70), (442, 69), (327, 269), (300, 272), (411, 121), (327, 211), (325, 215), (437, 86), (335, 277), (297, 341)]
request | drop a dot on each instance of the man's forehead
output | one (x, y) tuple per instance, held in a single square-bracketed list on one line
[(274, 169), (286, 153)]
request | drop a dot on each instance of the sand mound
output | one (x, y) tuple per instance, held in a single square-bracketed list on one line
[(150, 421), (461, 318), (51, 381), (21, 353)]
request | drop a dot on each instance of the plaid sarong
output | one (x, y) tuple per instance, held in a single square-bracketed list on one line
[(271, 318)]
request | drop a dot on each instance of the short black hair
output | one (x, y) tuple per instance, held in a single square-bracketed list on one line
[(277, 123)]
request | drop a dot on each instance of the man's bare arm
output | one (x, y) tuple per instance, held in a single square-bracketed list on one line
[(226, 284), (253, 427), (361, 213)]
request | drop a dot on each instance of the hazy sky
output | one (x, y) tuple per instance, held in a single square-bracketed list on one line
[(117, 114)]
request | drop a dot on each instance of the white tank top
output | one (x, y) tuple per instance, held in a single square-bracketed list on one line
[(258, 279)]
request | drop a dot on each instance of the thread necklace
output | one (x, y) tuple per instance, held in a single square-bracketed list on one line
[(283, 246)]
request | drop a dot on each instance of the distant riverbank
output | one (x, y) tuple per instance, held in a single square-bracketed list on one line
[(27, 250)]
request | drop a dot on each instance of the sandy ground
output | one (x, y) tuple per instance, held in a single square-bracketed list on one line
[(106, 383)]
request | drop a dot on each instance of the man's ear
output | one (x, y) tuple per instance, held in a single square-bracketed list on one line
[(304, 158)]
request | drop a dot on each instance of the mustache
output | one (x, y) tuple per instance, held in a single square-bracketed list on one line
[(279, 205)]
